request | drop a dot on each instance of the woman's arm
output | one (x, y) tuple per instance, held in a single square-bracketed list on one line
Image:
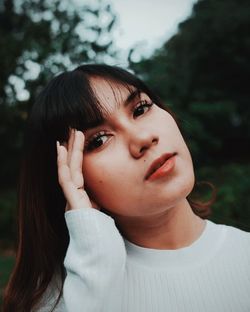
[(95, 259), (95, 262)]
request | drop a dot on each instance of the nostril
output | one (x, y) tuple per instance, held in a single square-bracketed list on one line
[(143, 149)]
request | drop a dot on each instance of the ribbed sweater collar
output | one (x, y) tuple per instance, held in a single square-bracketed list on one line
[(199, 252)]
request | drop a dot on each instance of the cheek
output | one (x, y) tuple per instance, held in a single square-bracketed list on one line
[(172, 132), (94, 174), (177, 143), (110, 183), (102, 176)]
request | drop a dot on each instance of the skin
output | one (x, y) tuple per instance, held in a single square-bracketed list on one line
[(152, 214)]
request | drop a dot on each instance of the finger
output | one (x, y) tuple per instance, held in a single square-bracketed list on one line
[(75, 198), (64, 173), (70, 143), (76, 159)]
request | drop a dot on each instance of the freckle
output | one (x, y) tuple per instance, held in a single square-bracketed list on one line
[(100, 181)]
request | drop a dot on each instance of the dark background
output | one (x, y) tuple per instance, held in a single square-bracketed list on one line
[(202, 73)]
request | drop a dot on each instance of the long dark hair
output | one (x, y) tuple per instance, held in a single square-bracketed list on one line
[(68, 101)]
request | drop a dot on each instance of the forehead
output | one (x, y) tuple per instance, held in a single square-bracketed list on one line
[(110, 94)]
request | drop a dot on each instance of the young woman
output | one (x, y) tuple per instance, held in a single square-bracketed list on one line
[(106, 222)]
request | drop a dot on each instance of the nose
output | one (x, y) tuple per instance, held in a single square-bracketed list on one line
[(141, 141)]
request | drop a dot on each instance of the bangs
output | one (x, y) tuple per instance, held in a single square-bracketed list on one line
[(117, 88), (70, 103)]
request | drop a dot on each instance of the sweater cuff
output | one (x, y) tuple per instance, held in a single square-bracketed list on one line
[(89, 223)]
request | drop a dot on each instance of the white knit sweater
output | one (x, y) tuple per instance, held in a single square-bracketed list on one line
[(106, 273)]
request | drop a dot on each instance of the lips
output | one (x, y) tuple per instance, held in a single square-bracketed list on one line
[(157, 163)]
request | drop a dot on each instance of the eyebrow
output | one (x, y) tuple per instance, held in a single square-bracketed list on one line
[(134, 94)]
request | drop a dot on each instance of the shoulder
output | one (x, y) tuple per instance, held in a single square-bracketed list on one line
[(239, 240), (237, 234), (230, 230), (234, 239)]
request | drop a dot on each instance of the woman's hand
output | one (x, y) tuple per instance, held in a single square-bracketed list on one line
[(70, 176)]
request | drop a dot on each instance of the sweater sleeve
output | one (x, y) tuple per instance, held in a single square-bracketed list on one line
[(94, 262)]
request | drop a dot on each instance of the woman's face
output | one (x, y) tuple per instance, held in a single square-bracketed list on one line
[(118, 154)]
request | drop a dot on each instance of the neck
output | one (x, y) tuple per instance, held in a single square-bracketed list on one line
[(177, 227)]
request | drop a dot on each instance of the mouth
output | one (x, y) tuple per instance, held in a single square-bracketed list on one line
[(157, 163)]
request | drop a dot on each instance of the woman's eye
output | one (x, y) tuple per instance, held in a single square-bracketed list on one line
[(142, 108), (97, 140)]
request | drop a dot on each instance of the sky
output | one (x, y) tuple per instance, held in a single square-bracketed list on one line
[(147, 24)]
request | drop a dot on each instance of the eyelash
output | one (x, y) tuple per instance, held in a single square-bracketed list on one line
[(98, 135), (93, 139), (143, 103)]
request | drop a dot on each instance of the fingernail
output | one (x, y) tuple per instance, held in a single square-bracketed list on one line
[(77, 131)]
